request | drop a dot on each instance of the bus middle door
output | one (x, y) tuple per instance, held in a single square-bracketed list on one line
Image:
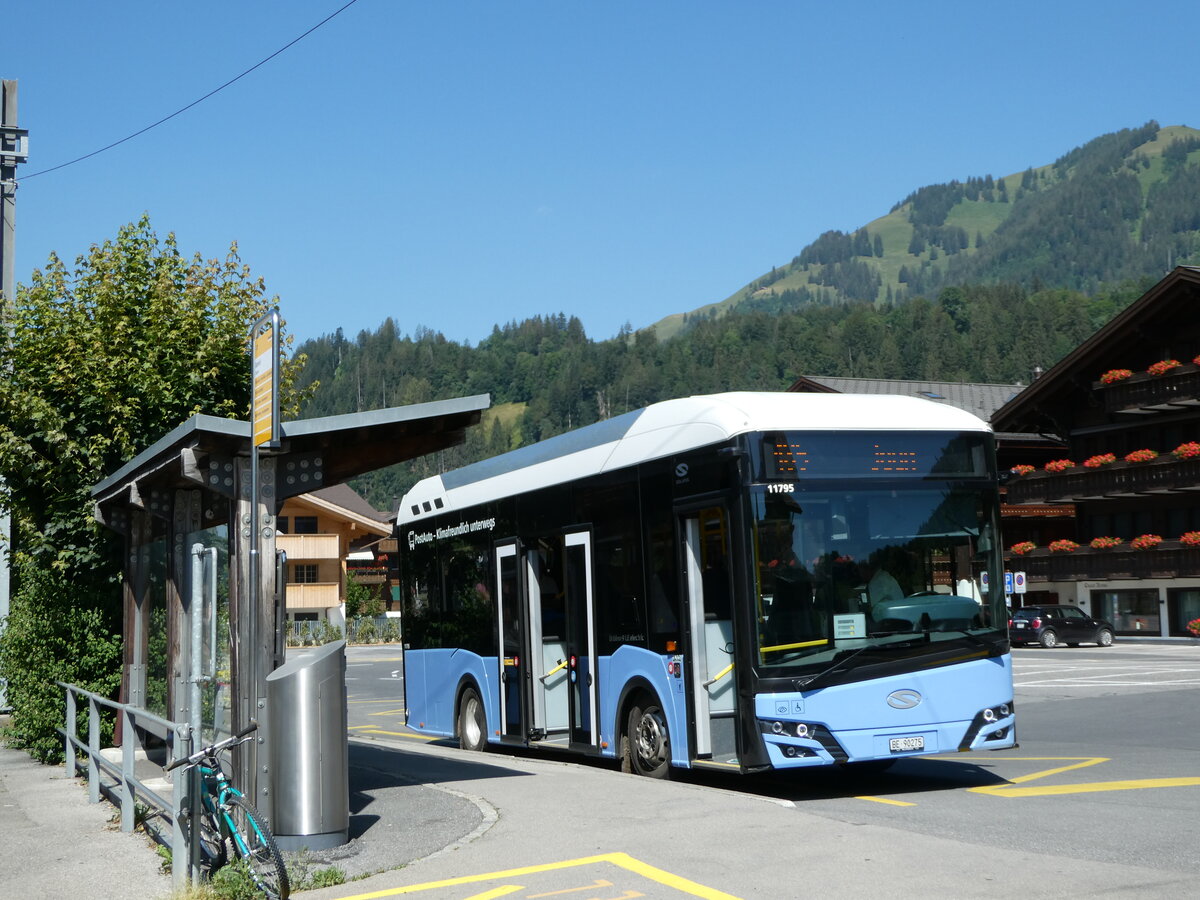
[(561, 632)]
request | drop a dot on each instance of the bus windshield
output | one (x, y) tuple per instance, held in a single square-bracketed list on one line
[(870, 564)]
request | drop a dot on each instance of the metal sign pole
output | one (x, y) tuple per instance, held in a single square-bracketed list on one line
[(264, 431)]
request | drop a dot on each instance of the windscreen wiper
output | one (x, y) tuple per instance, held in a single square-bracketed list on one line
[(974, 638), (808, 683)]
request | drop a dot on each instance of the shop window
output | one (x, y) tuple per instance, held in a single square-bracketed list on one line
[(1132, 612), (1183, 606)]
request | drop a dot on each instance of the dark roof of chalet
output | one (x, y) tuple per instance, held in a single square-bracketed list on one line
[(347, 498), (1134, 338), (348, 445), (979, 399)]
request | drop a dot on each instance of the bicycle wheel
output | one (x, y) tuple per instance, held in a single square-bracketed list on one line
[(212, 842), (252, 841)]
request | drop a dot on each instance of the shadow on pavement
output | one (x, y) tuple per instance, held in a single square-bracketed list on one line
[(375, 766), (903, 777)]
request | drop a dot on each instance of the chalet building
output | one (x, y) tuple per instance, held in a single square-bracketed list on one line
[(1125, 406), (325, 534)]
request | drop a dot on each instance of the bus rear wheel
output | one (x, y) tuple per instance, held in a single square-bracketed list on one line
[(648, 742), (472, 721)]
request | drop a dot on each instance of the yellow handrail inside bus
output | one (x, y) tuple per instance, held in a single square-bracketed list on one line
[(725, 671), (778, 647), (562, 664)]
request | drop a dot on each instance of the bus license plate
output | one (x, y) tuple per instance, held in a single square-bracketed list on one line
[(906, 744)]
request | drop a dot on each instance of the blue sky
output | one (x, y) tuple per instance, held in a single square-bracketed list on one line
[(455, 165)]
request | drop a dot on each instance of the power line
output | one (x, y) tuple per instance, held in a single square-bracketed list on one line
[(194, 102)]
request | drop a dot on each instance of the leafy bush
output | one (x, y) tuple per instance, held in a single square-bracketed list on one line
[(56, 631), (364, 631)]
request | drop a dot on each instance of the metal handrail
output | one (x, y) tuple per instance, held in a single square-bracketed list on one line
[(129, 789)]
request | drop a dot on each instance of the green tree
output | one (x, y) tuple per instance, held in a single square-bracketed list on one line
[(361, 600), (103, 360)]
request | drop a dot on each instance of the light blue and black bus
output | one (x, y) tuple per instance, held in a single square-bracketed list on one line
[(745, 580)]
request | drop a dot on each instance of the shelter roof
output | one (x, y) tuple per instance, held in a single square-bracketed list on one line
[(339, 447)]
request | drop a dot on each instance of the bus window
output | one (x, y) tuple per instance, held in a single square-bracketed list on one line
[(469, 615)]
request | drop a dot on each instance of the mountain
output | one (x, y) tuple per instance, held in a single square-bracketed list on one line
[(1121, 207)]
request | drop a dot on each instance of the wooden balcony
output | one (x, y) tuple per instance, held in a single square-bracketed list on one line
[(312, 596), (309, 547), (1144, 394), (1169, 560), (1165, 475)]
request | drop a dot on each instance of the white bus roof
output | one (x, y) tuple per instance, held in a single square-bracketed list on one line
[(668, 428)]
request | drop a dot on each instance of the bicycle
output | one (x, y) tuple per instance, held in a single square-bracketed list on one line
[(225, 814)]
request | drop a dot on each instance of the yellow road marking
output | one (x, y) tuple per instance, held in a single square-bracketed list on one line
[(885, 800), (389, 712), (1095, 787), (1077, 762), (394, 700), (598, 883), (497, 892), (367, 729), (622, 860)]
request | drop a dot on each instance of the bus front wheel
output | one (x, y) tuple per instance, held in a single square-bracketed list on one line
[(647, 740), (472, 722)]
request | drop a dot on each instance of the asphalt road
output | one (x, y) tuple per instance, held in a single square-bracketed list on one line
[(1103, 795)]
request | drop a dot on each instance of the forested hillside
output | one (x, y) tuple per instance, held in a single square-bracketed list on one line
[(546, 375), (1123, 206)]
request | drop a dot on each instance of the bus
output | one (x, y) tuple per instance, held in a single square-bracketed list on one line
[(748, 581)]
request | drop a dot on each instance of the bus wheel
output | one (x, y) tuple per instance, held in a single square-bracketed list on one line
[(648, 742), (472, 723)]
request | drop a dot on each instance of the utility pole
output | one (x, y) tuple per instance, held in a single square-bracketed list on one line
[(14, 149)]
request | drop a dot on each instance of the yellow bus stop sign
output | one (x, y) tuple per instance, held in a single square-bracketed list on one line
[(265, 405)]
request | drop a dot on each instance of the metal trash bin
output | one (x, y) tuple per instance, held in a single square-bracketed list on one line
[(310, 782)]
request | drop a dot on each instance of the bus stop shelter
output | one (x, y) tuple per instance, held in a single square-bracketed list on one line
[(190, 524)]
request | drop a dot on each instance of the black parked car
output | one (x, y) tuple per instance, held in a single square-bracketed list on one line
[(1058, 624)]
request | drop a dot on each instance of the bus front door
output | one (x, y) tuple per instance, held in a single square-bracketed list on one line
[(710, 658), (512, 657)]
